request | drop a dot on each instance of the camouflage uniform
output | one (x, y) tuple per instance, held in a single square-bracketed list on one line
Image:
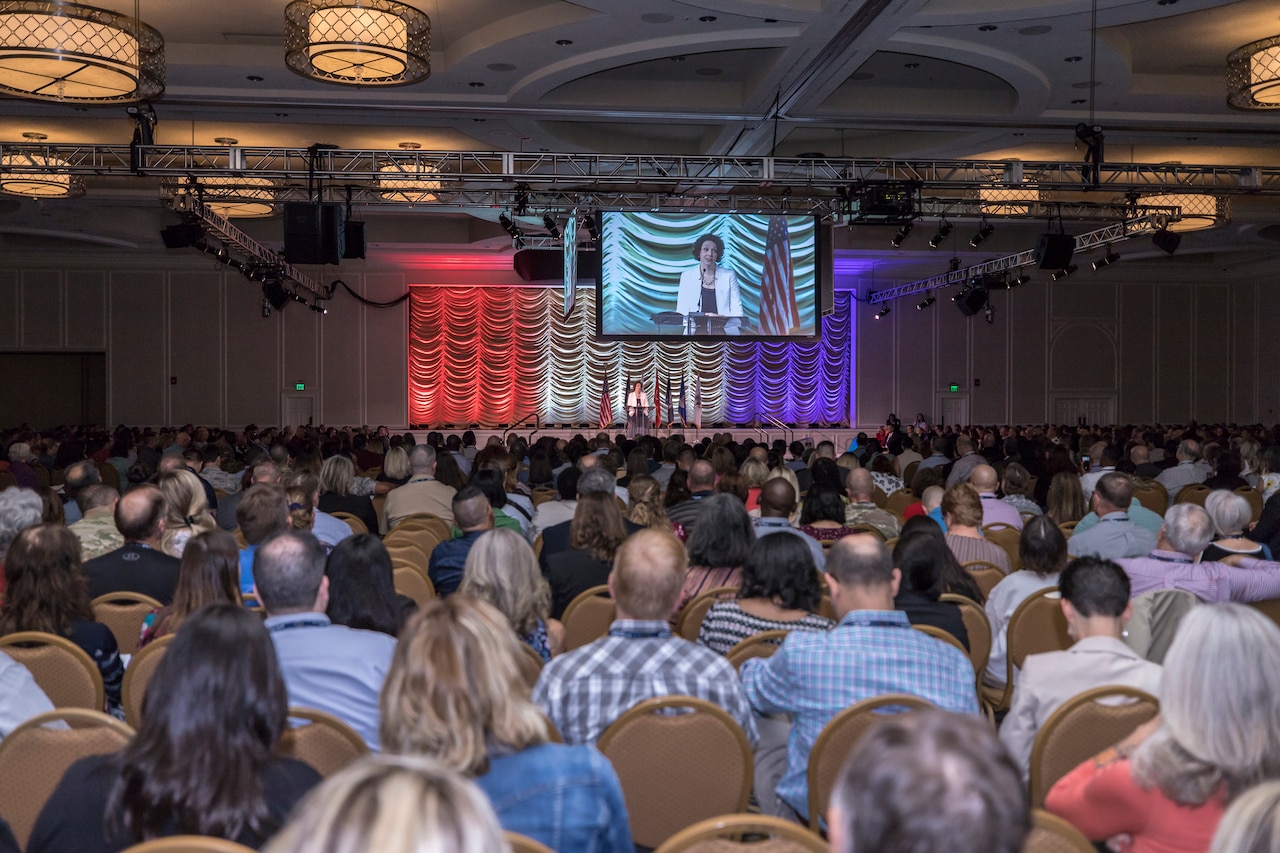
[(97, 533), (870, 514)]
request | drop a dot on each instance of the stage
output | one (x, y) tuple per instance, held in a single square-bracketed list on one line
[(838, 436)]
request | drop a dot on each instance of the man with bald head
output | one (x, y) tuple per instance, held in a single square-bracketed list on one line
[(473, 515), (777, 503), (139, 565), (967, 458), (423, 493), (585, 690), (861, 488), (815, 675), (702, 485), (994, 511)]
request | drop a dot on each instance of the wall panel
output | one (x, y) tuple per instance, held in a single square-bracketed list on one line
[(386, 349), (253, 380), (86, 310), (1028, 360), (1137, 354), (10, 302), (1212, 385), (138, 376), (42, 319), (195, 357), (1173, 376), (989, 402)]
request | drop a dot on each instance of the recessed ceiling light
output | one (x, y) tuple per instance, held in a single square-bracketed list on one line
[(706, 19), (1019, 133), (226, 140), (1080, 101), (1165, 2), (33, 136), (501, 67), (986, 28), (564, 42), (254, 78), (1037, 30), (410, 146), (771, 20), (476, 84), (81, 109), (911, 65), (677, 58), (478, 120), (1073, 59)]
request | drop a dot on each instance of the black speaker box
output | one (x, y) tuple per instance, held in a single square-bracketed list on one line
[(826, 273), (275, 294), (182, 235), (548, 264), (313, 233), (1054, 251), (1166, 240), (973, 301), (355, 240)]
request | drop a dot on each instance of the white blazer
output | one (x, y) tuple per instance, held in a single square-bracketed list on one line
[(728, 299)]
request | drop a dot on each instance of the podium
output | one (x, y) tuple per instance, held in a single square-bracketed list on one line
[(696, 323), (638, 420)]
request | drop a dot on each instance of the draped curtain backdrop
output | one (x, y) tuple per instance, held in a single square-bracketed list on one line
[(491, 355)]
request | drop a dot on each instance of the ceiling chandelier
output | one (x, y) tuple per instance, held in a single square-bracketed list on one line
[(1007, 201), (404, 182), (1253, 75), (45, 180), (358, 42), (238, 197), (67, 52)]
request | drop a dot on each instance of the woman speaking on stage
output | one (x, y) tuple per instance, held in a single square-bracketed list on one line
[(710, 288)]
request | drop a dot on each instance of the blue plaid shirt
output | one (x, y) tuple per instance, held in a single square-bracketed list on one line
[(814, 676)]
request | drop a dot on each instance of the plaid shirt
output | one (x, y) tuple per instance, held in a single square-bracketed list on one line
[(870, 653), (585, 690)]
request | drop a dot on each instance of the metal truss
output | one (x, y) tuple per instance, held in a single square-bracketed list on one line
[(1117, 233)]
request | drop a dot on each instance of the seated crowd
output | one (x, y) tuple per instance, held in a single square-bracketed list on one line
[(909, 564)]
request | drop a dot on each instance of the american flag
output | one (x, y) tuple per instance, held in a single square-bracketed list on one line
[(657, 399), (684, 413), (697, 402), (778, 311), (606, 406), (671, 403)]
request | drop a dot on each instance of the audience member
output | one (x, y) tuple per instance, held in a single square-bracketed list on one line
[(188, 510), (1043, 552), (1115, 535), (456, 692), (302, 488), (202, 762), (502, 570), (208, 573), (962, 512), (96, 528), (473, 514), (702, 485), (822, 514), (861, 510), (984, 480), (560, 510), (919, 559), (139, 565), (422, 493), (263, 472), (967, 458), (1252, 823), (336, 478), (1016, 483), (362, 591), (718, 549), (1186, 472), (1065, 500), (262, 513), (328, 667), (1231, 514), (777, 505), (595, 534)]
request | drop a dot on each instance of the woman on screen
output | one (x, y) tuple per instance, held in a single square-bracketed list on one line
[(709, 288)]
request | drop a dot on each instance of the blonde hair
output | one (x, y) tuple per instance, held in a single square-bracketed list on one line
[(646, 503), (456, 687), (393, 804), (188, 508), (961, 506), (648, 572), (336, 475), (300, 490), (502, 570), (754, 472), (1252, 823), (1219, 707), (782, 472), (395, 464)]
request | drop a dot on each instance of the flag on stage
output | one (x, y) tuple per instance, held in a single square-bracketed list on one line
[(671, 403), (606, 406), (696, 419), (684, 413), (778, 311), (657, 400)]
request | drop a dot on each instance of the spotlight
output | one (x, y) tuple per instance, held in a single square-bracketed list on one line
[(266, 307), (902, 234), (925, 303), (522, 199), (318, 308), (944, 228), (984, 231), (1105, 261), (552, 228), (883, 312), (589, 222), (991, 314), (955, 264), (1019, 280), (1063, 273)]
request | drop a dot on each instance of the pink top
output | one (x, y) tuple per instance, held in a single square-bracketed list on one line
[(1102, 801)]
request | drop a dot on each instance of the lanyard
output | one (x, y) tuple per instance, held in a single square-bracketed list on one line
[(299, 623), (659, 634)]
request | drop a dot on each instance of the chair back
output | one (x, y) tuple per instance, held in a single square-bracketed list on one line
[(123, 613), (728, 833), (689, 623), (325, 742), (1008, 538), (1051, 834), (760, 645), (588, 617), (64, 671), (109, 476), (34, 759), (1038, 625), (537, 545), (380, 509), (986, 575), (1068, 528), (7, 481), (977, 626), (356, 524), (138, 675), (1254, 497), (678, 768), (1083, 727), (1269, 607), (524, 844), (899, 501), (43, 477), (412, 582), (530, 663), (427, 530), (879, 498), (1152, 495), (1192, 493), (407, 552), (838, 738), (188, 844), (910, 474), (868, 529), (1156, 617), (541, 495), (945, 636)]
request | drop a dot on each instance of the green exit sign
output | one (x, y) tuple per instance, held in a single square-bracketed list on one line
[(302, 386), (954, 388)]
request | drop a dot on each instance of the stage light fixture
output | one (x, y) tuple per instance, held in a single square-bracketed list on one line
[(1105, 261), (985, 230), (1063, 273), (552, 228), (589, 222), (883, 312), (1019, 280), (925, 303), (944, 229), (1166, 240), (902, 234), (266, 307), (991, 314)]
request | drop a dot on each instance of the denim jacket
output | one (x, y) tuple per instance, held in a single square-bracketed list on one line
[(567, 797)]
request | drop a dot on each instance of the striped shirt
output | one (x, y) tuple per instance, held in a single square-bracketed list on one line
[(966, 549), (727, 624)]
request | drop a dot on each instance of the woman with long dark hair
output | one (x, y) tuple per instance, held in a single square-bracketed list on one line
[(718, 547), (209, 572), (920, 558), (362, 590), (201, 762)]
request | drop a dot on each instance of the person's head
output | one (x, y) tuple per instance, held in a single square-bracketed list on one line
[(214, 711), (1140, 454), (1042, 547), (472, 510), (1016, 479), (753, 471), (490, 483), (931, 498), (825, 472), (302, 491), (964, 445), (456, 690), (98, 497), (920, 558), (288, 574), (724, 534), (702, 476), (422, 460), (19, 509), (78, 476), (1066, 498), (1113, 493), (362, 590), (596, 480), (861, 575), (984, 479), (1188, 450), (393, 804), (781, 568), (262, 511), (708, 249), (1095, 591), (1219, 707), (860, 485), (266, 471), (1252, 823), (502, 570), (1187, 529), (645, 502), (395, 464), (1230, 512), (51, 510), (647, 575), (961, 506), (567, 483), (822, 503), (336, 475), (45, 589), (185, 496), (929, 780), (141, 515), (209, 573), (777, 498), (597, 526)]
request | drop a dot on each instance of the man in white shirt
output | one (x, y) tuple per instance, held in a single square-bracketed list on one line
[(20, 697)]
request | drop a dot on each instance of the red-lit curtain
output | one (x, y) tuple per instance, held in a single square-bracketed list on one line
[(477, 354)]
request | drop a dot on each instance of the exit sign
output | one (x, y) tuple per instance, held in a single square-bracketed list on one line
[(954, 388), (302, 386)]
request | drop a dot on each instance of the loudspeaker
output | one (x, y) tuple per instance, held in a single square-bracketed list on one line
[(826, 272), (1054, 251), (1166, 240), (973, 301), (355, 240), (313, 233), (275, 294), (548, 264), (182, 235)]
